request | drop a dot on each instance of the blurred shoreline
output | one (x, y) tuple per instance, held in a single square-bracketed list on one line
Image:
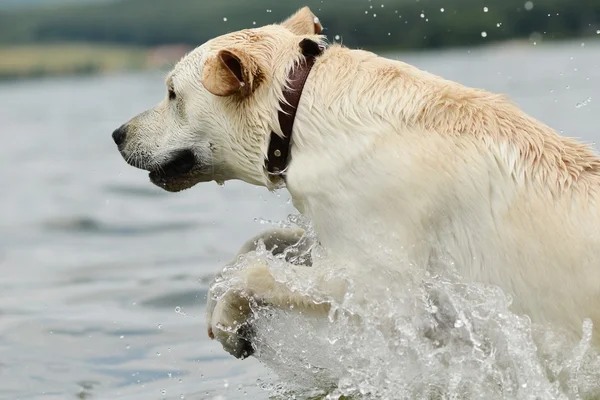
[(31, 61)]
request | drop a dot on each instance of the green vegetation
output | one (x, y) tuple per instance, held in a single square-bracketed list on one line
[(397, 25), (370, 24), (7, 4)]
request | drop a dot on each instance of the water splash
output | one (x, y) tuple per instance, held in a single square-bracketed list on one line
[(438, 338), (584, 103)]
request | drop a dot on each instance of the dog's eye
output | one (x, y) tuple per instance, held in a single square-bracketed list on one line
[(172, 95)]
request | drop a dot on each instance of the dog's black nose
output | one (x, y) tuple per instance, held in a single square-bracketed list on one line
[(119, 135)]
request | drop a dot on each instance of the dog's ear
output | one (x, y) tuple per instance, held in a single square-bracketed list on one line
[(303, 22), (229, 72)]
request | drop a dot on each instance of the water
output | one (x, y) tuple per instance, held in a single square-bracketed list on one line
[(104, 277)]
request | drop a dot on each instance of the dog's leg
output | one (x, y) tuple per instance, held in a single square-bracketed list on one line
[(230, 318), (230, 301), (290, 241)]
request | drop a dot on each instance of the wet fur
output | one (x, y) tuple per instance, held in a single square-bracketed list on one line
[(384, 153)]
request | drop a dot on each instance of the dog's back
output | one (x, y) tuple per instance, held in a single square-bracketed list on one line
[(390, 154)]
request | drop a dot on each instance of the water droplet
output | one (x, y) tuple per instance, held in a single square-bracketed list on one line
[(499, 24), (374, 15), (598, 32), (422, 15), (484, 34), (225, 19), (253, 22), (485, 9), (158, 353), (182, 397), (441, 9), (159, 326), (382, 6), (163, 392), (121, 337), (226, 384), (529, 5), (337, 37), (584, 103)]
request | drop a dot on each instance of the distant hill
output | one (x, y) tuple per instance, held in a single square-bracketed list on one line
[(12, 4), (373, 24)]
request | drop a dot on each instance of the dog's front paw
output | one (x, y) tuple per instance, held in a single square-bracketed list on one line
[(230, 323), (232, 297)]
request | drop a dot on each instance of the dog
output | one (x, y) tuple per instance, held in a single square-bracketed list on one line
[(379, 152)]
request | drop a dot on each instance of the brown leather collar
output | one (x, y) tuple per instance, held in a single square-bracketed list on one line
[(279, 147)]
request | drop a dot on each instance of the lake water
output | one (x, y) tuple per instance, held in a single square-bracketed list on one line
[(104, 276)]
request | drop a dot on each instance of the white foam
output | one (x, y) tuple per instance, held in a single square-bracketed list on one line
[(439, 339)]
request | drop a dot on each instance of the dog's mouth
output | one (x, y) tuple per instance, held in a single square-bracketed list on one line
[(179, 173)]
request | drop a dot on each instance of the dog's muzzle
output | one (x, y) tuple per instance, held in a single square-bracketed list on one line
[(181, 163), (178, 171), (119, 136)]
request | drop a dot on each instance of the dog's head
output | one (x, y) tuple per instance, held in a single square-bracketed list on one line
[(220, 106)]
